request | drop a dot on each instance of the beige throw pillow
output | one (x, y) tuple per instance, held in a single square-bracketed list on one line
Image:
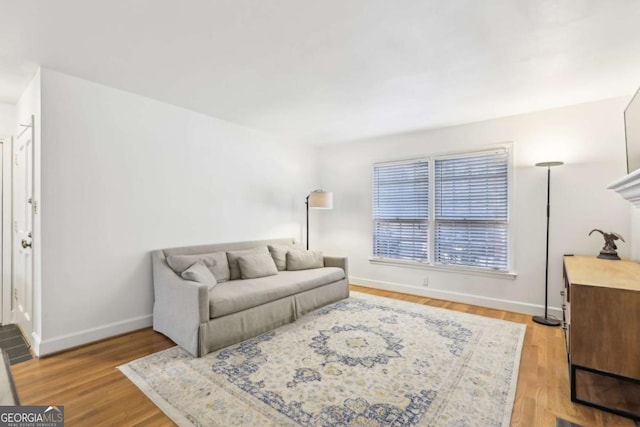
[(304, 260), (216, 262), (234, 268), (199, 272), (257, 265), (279, 254)]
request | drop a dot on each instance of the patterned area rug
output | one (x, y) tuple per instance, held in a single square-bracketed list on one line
[(364, 361)]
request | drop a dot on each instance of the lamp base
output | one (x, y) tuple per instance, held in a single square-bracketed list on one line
[(546, 321), (609, 255)]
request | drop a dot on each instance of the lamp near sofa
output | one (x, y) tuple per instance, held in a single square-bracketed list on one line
[(318, 199)]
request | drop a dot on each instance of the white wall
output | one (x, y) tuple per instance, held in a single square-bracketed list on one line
[(589, 138), (635, 234), (7, 119), (7, 128), (123, 175), (6, 231)]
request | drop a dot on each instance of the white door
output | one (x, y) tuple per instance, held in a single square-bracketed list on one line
[(23, 208)]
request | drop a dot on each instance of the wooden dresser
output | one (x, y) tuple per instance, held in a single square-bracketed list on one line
[(602, 328)]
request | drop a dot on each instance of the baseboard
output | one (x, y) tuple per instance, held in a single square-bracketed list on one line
[(500, 304), (35, 341), (76, 339)]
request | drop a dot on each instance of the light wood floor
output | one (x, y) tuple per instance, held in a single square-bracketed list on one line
[(85, 380)]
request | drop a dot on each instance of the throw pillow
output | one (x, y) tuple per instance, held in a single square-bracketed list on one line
[(279, 254), (257, 265), (304, 260), (199, 272), (216, 262), (233, 256)]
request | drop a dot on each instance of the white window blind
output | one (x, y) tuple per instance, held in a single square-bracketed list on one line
[(471, 210), (401, 210)]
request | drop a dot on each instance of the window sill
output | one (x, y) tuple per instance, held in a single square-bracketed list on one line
[(443, 268)]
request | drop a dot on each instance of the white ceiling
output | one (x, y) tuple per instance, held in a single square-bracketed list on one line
[(333, 70)]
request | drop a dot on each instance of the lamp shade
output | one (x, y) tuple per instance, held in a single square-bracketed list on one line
[(549, 164), (319, 199)]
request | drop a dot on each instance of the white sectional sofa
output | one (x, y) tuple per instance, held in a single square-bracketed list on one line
[(241, 293)]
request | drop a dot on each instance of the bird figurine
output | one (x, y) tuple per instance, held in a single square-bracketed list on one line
[(609, 249)]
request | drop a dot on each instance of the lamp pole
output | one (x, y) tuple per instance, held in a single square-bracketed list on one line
[(546, 320)]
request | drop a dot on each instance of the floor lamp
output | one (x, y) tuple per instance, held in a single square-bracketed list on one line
[(546, 320), (318, 199)]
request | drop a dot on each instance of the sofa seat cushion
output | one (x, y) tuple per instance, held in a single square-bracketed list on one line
[(237, 295)]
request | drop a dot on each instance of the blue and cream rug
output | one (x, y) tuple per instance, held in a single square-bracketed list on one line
[(365, 361)]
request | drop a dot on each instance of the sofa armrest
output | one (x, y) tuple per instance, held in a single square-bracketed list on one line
[(341, 262), (180, 306)]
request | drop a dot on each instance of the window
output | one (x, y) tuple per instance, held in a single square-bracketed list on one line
[(401, 210), (444, 210)]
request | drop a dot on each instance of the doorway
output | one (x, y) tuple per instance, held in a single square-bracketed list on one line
[(24, 207), (12, 339)]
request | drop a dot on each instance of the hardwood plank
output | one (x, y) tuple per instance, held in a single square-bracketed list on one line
[(94, 392)]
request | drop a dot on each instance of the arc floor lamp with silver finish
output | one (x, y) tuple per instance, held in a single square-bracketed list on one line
[(546, 320), (318, 199)]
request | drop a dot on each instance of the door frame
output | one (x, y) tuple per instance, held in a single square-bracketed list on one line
[(25, 318)]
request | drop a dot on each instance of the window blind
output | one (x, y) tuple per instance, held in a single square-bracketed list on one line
[(471, 210), (401, 210)]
